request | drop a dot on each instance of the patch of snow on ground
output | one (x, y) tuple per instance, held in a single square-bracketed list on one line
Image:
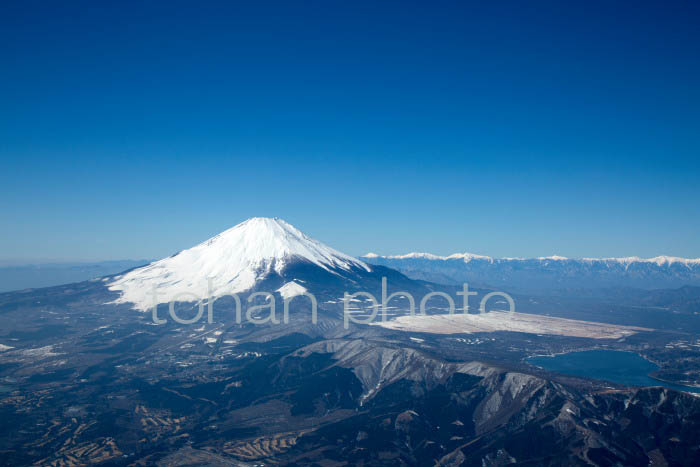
[(291, 289), (40, 352), (504, 321)]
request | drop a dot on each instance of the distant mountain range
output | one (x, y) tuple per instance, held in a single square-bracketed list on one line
[(31, 276), (263, 248), (545, 273)]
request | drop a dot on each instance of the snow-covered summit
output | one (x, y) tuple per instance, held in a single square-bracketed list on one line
[(235, 260)]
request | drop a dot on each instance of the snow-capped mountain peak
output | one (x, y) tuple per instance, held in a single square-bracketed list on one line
[(264, 239), (416, 255), (234, 261)]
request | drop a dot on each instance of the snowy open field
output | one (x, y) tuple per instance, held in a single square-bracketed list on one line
[(514, 322)]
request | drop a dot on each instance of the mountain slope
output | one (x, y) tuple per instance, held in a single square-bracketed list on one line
[(415, 409)]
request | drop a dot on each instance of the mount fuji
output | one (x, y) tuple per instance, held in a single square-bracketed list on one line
[(88, 379), (259, 254)]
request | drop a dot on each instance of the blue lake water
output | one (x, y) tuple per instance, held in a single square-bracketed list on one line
[(610, 365)]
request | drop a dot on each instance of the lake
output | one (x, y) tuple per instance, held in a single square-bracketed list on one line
[(619, 367)]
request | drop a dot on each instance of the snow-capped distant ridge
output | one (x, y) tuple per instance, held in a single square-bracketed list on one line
[(546, 272), (234, 261), (409, 256), (415, 255), (469, 257), (659, 260), (552, 258)]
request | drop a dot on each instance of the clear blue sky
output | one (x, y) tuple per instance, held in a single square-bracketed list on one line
[(132, 130)]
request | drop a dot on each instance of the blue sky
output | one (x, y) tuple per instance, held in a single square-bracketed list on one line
[(516, 129)]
